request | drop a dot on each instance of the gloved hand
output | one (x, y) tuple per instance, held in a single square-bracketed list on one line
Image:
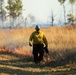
[(30, 44), (46, 49), (46, 46)]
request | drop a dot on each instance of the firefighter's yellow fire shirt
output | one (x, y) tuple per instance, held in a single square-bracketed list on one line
[(38, 38)]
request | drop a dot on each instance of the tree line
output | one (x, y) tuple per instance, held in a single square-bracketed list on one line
[(14, 9), (71, 17)]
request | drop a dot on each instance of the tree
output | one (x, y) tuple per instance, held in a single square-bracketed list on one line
[(14, 8), (10, 7), (62, 3), (52, 18), (1, 6), (19, 9), (1, 10), (72, 2), (71, 18)]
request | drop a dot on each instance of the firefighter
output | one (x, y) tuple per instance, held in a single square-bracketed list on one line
[(39, 42)]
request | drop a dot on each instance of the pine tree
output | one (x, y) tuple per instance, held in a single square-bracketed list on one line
[(14, 8), (1, 10), (72, 2), (71, 18), (18, 6)]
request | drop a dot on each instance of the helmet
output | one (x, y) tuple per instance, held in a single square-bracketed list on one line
[(37, 27)]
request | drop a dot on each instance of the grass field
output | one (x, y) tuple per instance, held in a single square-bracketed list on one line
[(16, 55)]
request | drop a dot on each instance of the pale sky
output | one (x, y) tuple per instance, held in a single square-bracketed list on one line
[(41, 9)]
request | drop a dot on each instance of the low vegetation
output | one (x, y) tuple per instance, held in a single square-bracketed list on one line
[(16, 55)]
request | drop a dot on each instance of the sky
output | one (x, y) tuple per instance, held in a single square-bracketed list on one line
[(41, 9)]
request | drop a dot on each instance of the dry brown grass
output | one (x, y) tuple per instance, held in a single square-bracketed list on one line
[(58, 37), (62, 40), (62, 47)]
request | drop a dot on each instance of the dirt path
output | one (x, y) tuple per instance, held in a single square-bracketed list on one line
[(14, 65)]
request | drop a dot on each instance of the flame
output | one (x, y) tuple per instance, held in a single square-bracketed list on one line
[(16, 51), (47, 59), (2, 49), (20, 51)]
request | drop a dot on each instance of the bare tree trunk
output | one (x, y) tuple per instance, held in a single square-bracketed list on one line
[(25, 21), (10, 22), (72, 14), (52, 19), (1, 14), (75, 12), (64, 14), (2, 21), (72, 8)]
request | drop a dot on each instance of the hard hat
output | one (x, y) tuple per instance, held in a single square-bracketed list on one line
[(37, 27)]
